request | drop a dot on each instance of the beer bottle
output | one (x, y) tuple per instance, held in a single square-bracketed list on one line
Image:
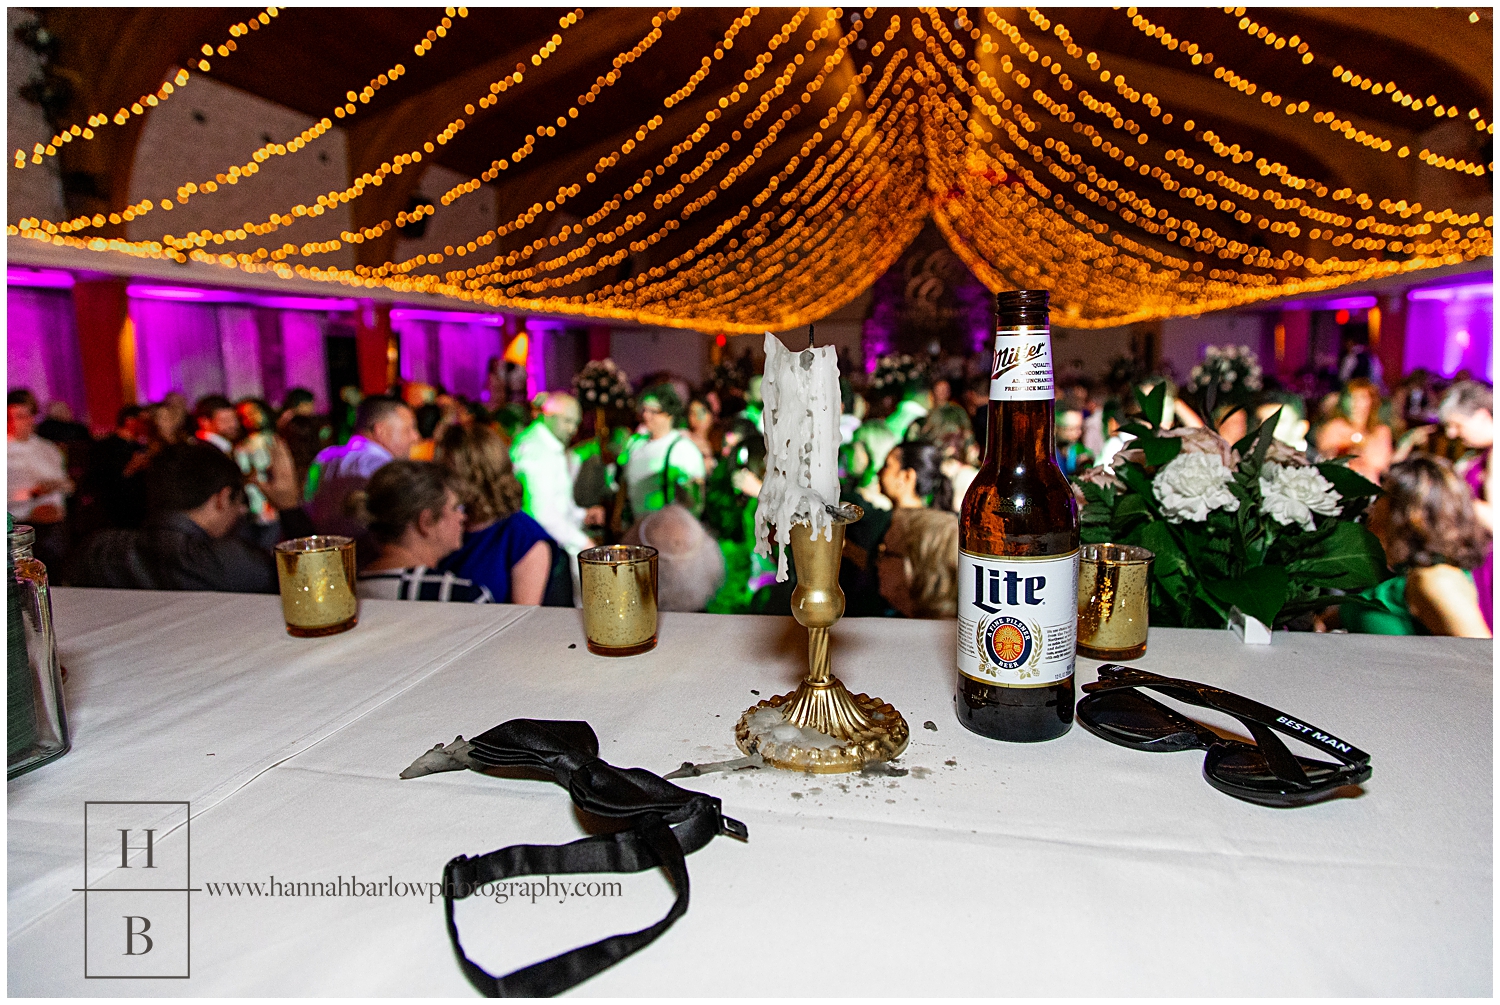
[(1018, 547)]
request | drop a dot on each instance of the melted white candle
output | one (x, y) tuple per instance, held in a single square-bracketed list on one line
[(801, 412)]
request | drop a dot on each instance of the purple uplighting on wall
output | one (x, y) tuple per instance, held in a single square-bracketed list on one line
[(459, 317), (447, 348), (41, 349), (203, 295), (50, 279), (1451, 328), (199, 340)]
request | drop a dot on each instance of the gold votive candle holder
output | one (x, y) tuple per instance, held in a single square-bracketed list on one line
[(618, 584), (317, 585), (1114, 599)]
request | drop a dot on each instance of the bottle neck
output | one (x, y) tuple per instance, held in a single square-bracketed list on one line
[(1021, 433), (21, 541), (1022, 399)]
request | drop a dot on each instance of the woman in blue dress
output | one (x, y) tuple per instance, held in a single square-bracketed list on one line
[(504, 549)]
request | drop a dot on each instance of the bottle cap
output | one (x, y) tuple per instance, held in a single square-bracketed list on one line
[(1021, 307), (1021, 300)]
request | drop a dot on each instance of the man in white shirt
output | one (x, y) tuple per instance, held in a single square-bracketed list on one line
[(36, 477), (385, 429), (539, 456), (34, 470)]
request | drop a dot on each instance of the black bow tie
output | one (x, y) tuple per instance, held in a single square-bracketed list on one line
[(666, 823)]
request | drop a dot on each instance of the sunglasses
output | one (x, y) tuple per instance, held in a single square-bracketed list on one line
[(1265, 772)]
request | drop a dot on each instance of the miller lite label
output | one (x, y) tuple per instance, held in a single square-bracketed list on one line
[(1017, 618)]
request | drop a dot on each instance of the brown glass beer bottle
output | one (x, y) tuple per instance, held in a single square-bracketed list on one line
[(1018, 547)]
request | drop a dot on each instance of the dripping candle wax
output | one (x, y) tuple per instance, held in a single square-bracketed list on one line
[(801, 412)]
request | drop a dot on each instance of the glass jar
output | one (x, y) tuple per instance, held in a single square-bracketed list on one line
[(36, 725)]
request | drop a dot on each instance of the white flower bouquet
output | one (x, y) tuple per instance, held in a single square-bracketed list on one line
[(1228, 375), (1251, 525), (894, 372), (602, 384)]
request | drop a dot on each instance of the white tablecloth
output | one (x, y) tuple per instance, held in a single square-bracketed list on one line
[(1069, 867)]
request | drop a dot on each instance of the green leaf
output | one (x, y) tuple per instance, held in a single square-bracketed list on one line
[(1094, 513), (1260, 592), (1252, 449), (1349, 484), (1209, 613), (1159, 449), (1137, 429), (1350, 558), (1135, 478), (1127, 518), (1092, 493), (1094, 534), (1170, 570), (1153, 405)]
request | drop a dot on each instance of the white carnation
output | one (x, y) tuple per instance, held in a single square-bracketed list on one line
[(1192, 485), (1293, 494)]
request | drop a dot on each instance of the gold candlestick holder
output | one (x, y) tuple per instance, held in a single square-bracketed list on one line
[(821, 727)]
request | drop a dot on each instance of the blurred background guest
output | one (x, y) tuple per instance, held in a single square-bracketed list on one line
[(415, 518), (1291, 418), (917, 575), (1353, 429), (1467, 413), (115, 484), (304, 431), (197, 500), (540, 459), (169, 424), (503, 549), (385, 430), (271, 479), (1072, 455), (72, 438), (871, 445), (662, 465), (37, 483), (689, 565), (703, 430), (218, 422), (429, 417), (1426, 523)]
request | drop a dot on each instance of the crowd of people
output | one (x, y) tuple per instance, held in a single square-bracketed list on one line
[(450, 500)]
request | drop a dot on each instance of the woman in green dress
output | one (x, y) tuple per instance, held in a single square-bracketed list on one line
[(1432, 539)]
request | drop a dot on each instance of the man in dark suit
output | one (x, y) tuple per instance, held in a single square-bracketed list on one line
[(197, 499)]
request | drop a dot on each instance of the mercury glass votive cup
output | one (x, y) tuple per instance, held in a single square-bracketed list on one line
[(1114, 591), (618, 583), (317, 585)]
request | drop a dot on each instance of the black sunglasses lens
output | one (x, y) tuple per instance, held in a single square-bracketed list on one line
[(1127, 717), (1240, 770)]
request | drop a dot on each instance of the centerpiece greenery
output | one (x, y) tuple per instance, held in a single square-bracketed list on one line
[(1252, 525)]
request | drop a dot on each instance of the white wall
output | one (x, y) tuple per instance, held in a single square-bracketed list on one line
[(473, 214), (1097, 348), (176, 147), (640, 351), (1184, 339), (35, 190)]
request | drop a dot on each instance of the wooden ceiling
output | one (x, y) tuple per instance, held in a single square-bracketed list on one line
[(307, 58)]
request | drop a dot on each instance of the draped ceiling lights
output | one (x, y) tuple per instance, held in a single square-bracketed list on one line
[(1042, 165)]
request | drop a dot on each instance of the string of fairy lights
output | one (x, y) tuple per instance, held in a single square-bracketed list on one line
[(771, 195), (98, 120)]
